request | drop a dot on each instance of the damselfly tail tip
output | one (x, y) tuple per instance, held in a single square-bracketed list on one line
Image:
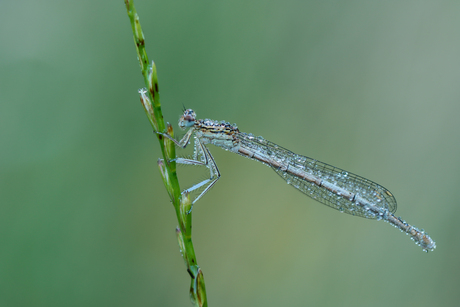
[(424, 241)]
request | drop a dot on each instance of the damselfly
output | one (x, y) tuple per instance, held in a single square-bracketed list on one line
[(332, 186)]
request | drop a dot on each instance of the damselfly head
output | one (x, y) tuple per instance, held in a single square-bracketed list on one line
[(187, 119)]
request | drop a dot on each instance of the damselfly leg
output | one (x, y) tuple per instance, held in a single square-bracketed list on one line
[(201, 156)]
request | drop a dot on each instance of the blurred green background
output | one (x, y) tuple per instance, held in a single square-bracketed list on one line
[(368, 86)]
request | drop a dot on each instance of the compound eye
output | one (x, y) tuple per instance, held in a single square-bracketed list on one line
[(187, 119), (190, 114)]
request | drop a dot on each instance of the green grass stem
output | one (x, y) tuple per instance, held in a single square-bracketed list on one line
[(150, 99)]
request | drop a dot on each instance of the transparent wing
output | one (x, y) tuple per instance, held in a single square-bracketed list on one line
[(365, 188)]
